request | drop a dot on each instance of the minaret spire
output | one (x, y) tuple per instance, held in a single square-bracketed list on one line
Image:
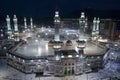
[(82, 25), (25, 23), (57, 26), (86, 24), (9, 30), (31, 23), (97, 27), (94, 24), (15, 23), (16, 32), (95, 30)]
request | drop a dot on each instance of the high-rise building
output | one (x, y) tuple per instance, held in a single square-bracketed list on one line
[(107, 28)]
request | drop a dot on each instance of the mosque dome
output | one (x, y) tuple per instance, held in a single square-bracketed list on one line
[(50, 43), (68, 43)]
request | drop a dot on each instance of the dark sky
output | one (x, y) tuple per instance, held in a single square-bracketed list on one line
[(46, 8)]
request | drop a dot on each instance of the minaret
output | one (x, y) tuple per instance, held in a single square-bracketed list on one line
[(9, 30), (86, 24), (82, 25), (57, 26), (31, 23), (81, 42), (25, 23), (97, 27), (94, 29), (82, 20), (16, 32)]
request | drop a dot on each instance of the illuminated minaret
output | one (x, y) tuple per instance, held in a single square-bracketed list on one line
[(82, 22), (86, 24), (16, 32), (57, 26), (9, 30), (97, 27), (25, 23), (81, 42), (31, 23), (94, 29)]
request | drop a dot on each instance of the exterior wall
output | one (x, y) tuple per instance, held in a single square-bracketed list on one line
[(65, 66), (27, 66), (58, 69)]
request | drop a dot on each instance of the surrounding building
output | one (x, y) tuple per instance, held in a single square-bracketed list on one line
[(107, 28)]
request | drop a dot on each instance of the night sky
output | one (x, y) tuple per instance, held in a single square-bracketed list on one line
[(46, 8)]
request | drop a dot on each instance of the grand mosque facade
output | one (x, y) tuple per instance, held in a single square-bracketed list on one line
[(34, 55)]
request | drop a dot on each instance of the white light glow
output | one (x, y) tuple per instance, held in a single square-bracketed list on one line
[(23, 61), (57, 58), (112, 53), (81, 46), (115, 44), (88, 64), (77, 55), (62, 56), (31, 60), (36, 40), (39, 60), (103, 40), (39, 50), (46, 47), (70, 56), (58, 46), (98, 57)]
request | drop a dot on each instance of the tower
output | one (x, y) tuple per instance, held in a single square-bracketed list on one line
[(9, 30), (82, 25), (25, 23), (57, 43), (86, 24), (57, 26), (97, 27), (16, 32), (94, 29), (31, 23), (81, 42)]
